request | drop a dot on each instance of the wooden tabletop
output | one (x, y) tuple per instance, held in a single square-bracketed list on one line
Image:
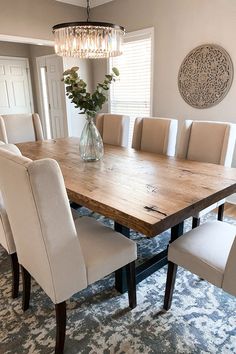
[(143, 191)]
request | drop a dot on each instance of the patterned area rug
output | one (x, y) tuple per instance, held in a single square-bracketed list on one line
[(202, 318)]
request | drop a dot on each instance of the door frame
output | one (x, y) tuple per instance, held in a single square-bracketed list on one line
[(40, 91), (39, 61)]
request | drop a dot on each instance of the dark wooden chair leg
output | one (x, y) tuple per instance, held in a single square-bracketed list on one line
[(15, 275), (26, 278), (170, 284), (61, 327), (131, 283), (221, 212), (195, 223)]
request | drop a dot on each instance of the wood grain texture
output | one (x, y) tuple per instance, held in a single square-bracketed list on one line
[(143, 191)]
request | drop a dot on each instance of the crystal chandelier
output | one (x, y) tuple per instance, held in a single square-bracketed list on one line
[(88, 39)]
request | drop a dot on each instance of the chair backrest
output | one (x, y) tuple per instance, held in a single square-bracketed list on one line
[(6, 237), (156, 135), (229, 279), (114, 128), (205, 141), (19, 128), (38, 209)]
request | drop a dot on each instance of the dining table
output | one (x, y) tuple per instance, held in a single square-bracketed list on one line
[(147, 192)]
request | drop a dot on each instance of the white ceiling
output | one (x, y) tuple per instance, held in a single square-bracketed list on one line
[(83, 3)]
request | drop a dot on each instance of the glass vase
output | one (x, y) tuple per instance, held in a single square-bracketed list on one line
[(91, 144)]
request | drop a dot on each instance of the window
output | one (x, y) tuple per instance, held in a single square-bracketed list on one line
[(132, 93)]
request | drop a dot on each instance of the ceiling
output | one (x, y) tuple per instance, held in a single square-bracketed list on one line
[(83, 3)]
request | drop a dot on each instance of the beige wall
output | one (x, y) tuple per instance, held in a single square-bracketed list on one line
[(180, 25), (30, 52), (14, 50), (23, 51), (35, 18), (39, 51)]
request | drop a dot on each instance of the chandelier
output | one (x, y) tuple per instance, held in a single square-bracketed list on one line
[(90, 40)]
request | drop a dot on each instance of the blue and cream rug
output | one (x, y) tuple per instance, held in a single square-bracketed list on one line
[(202, 318)]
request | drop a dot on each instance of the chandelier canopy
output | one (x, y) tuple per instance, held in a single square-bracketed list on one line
[(88, 39)]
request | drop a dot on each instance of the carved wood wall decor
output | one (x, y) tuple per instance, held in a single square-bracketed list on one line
[(205, 76)]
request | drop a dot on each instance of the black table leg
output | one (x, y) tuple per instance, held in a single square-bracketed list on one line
[(176, 231), (221, 212), (120, 274), (75, 206), (122, 229), (148, 267)]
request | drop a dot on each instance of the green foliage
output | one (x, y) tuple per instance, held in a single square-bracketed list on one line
[(89, 103)]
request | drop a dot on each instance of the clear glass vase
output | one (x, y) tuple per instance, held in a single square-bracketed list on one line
[(91, 144)]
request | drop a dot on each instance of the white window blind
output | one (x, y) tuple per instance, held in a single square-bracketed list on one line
[(131, 94)]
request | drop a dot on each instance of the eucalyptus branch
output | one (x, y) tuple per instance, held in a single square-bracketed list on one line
[(76, 91)]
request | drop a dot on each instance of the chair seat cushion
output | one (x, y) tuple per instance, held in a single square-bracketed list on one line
[(104, 250), (204, 251)]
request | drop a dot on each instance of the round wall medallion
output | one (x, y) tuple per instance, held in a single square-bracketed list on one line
[(205, 76)]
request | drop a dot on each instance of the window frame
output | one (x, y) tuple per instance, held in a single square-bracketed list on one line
[(132, 36)]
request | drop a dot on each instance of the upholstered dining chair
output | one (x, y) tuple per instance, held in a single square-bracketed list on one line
[(156, 135), (208, 251), (19, 128), (63, 256), (211, 142), (114, 128), (6, 237)]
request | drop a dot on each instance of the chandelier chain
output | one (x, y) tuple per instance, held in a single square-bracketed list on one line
[(88, 10)]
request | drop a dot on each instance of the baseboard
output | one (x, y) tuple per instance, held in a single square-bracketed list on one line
[(231, 199)]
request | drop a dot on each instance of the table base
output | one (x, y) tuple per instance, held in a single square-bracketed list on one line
[(148, 267)]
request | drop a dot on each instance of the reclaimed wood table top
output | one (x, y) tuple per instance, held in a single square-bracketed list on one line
[(144, 191)]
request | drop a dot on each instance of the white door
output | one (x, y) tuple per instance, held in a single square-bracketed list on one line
[(53, 110), (15, 86)]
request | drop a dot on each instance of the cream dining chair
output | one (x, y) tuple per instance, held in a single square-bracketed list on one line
[(63, 256), (114, 128), (208, 251), (156, 135), (19, 128), (6, 237), (211, 142)]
